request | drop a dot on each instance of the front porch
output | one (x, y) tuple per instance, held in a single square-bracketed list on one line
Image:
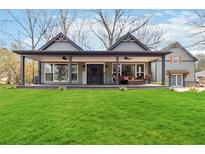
[(56, 86), (94, 69)]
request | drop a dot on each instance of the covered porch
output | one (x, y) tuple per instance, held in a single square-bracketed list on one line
[(93, 68), (56, 86)]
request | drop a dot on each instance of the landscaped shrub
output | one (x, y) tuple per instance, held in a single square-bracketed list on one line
[(123, 88), (61, 88), (171, 89), (193, 89), (11, 87)]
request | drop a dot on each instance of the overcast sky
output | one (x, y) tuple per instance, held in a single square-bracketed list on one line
[(170, 20)]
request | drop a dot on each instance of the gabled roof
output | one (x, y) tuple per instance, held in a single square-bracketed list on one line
[(132, 38), (178, 45), (60, 37)]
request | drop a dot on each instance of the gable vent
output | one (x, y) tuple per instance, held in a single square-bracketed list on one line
[(60, 38), (128, 38)]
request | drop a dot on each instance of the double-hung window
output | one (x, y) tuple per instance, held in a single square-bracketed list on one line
[(74, 72), (49, 72), (114, 70)]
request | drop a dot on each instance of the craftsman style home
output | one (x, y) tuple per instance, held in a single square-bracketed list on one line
[(127, 62)]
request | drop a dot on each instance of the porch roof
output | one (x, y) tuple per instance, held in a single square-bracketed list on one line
[(186, 72), (91, 53), (84, 56)]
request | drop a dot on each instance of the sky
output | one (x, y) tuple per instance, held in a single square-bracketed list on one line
[(170, 20)]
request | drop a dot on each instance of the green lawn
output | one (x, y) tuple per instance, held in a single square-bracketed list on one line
[(101, 117)]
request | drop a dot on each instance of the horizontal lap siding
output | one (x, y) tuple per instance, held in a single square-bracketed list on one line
[(157, 71)]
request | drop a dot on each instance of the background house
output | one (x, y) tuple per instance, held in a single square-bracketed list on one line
[(200, 77)]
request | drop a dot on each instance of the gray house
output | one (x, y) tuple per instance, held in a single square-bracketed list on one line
[(179, 67), (128, 61)]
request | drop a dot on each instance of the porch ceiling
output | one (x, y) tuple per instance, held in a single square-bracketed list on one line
[(94, 56), (90, 59)]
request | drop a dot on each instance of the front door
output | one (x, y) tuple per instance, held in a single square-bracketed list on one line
[(177, 80), (94, 73)]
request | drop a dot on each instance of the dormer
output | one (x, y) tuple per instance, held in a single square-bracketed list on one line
[(128, 43), (61, 43)]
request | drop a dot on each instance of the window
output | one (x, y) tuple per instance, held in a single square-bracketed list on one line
[(175, 59), (49, 72), (176, 80), (128, 69), (74, 74), (59, 72), (179, 80), (140, 71), (114, 69), (173, 80)]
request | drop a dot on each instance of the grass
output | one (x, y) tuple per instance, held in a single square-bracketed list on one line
[(101, 117)]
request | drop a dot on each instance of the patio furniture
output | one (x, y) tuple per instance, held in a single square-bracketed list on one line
[(147, 79), (135, 80)]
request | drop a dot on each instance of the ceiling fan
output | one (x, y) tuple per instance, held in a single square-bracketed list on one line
[(64, 58), (127, 58)]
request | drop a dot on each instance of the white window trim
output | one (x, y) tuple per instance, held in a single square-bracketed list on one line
[(53, 73), (48, 72), (178, 59), (75, 72), (176, 80), (136, 68), (115, 72), (135, 71)]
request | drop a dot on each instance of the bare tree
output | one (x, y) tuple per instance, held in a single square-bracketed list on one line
[(151, 35), (197, 24), (109, 26), (65, 21), (28, 27), (31, 27), (47, 24), (81, 32)]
